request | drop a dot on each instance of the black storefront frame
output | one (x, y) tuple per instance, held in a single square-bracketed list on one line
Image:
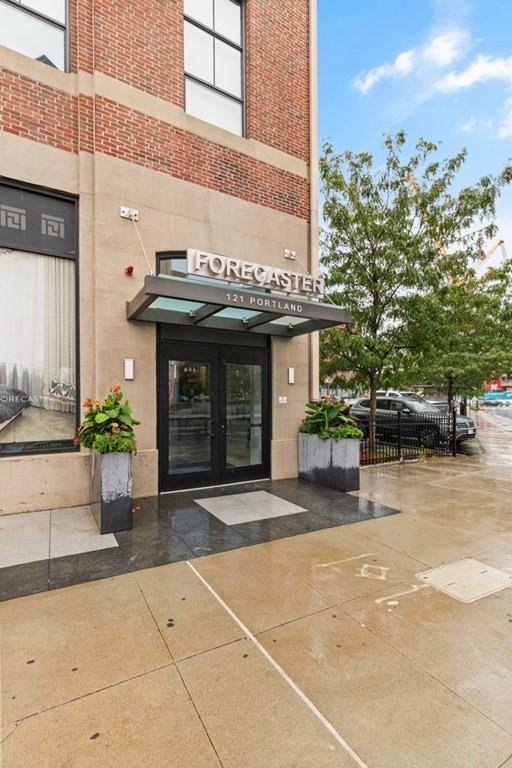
[(234, 344), (60, 446)]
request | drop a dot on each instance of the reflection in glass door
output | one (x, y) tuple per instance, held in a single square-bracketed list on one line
[(213, 414), (190, 417), (243, 415)]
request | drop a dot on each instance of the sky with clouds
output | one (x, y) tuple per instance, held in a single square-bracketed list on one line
[(441, 69)]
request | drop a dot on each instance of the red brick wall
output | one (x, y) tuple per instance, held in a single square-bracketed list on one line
[(277, 73), (38, 112), (80, 34), (137, 138), (141, 43)]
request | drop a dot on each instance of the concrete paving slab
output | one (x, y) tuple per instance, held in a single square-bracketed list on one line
[(390, 711), (464, 646), (146, 721), (247, 507), (74, 530), (190, 619), (261, 591), (342, 565), (24, 537), (61, 645), (422, 539), (251, 714)]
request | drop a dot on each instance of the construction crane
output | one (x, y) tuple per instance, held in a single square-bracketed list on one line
[(493, 249)]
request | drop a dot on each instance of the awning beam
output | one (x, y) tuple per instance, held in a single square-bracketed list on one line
[(213, 298), (207, 311), (261, 319)]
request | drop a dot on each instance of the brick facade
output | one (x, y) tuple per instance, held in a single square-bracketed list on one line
[(38, 112), (141, 44), (121, 131), (278, 74)]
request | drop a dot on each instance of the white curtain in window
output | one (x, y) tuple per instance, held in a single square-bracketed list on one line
[(37, 322), (59, 321)]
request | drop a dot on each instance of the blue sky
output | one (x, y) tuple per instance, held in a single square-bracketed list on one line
[(441, 69)]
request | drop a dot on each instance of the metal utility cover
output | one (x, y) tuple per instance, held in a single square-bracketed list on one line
[(466, 580)]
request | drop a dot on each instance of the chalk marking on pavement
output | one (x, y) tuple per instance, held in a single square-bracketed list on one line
[(414, 588), (346, 560), (378, 572), (295, 688)]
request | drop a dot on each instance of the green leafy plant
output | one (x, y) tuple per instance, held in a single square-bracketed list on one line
[(329, 419), (108, 427)]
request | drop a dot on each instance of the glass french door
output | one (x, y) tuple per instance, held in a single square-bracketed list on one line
[(213, 415)]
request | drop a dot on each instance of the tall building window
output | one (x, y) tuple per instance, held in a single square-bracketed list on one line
[(38, 376), (213, 38), (36, 28)]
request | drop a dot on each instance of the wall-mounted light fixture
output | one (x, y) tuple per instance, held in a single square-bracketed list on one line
[(129, 369)]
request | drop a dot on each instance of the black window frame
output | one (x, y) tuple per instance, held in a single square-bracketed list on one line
[(64, 27), (42, 447), (240, 48)]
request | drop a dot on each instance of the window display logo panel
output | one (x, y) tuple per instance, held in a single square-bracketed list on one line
[(39, 223)]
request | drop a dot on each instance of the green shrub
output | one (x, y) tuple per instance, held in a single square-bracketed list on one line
[(329, 419), (108, 427)]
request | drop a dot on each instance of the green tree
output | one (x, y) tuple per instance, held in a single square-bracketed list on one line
[(465, 331), (391, 230)]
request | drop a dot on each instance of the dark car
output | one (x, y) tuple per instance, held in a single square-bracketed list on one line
[(420, 421)]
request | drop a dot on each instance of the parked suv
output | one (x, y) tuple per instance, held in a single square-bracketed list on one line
[(420, 421), (411, 396)]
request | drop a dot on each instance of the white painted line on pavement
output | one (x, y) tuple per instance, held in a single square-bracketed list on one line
[(414, 588), (302, 696), (346, 560)]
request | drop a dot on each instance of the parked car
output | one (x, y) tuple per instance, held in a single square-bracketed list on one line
[(408, 396), (420, 422)]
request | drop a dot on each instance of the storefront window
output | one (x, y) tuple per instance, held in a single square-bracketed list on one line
[(38, 381)]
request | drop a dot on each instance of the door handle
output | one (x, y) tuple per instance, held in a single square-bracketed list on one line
[(209, 428)]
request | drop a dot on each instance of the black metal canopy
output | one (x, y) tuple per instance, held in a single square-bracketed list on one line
[(183, 301)]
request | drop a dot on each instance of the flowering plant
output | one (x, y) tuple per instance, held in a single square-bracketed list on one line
[(108, 427), (329, 418)]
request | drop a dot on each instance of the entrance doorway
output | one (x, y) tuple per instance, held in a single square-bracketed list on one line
[(213, 414)]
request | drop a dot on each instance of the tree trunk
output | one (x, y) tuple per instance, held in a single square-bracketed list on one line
[(372, 421)]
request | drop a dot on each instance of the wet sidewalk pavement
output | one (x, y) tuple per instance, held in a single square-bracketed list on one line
[(315, 650)]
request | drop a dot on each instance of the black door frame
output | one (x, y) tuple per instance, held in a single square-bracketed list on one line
[(217, 349)]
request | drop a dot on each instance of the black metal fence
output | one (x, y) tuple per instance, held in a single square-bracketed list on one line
[(401, 437)]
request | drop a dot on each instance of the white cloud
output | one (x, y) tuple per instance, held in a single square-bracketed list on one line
[(440, 51), (402, 65), (480, 70), (444, 49), (469, 126), (505, 129)]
